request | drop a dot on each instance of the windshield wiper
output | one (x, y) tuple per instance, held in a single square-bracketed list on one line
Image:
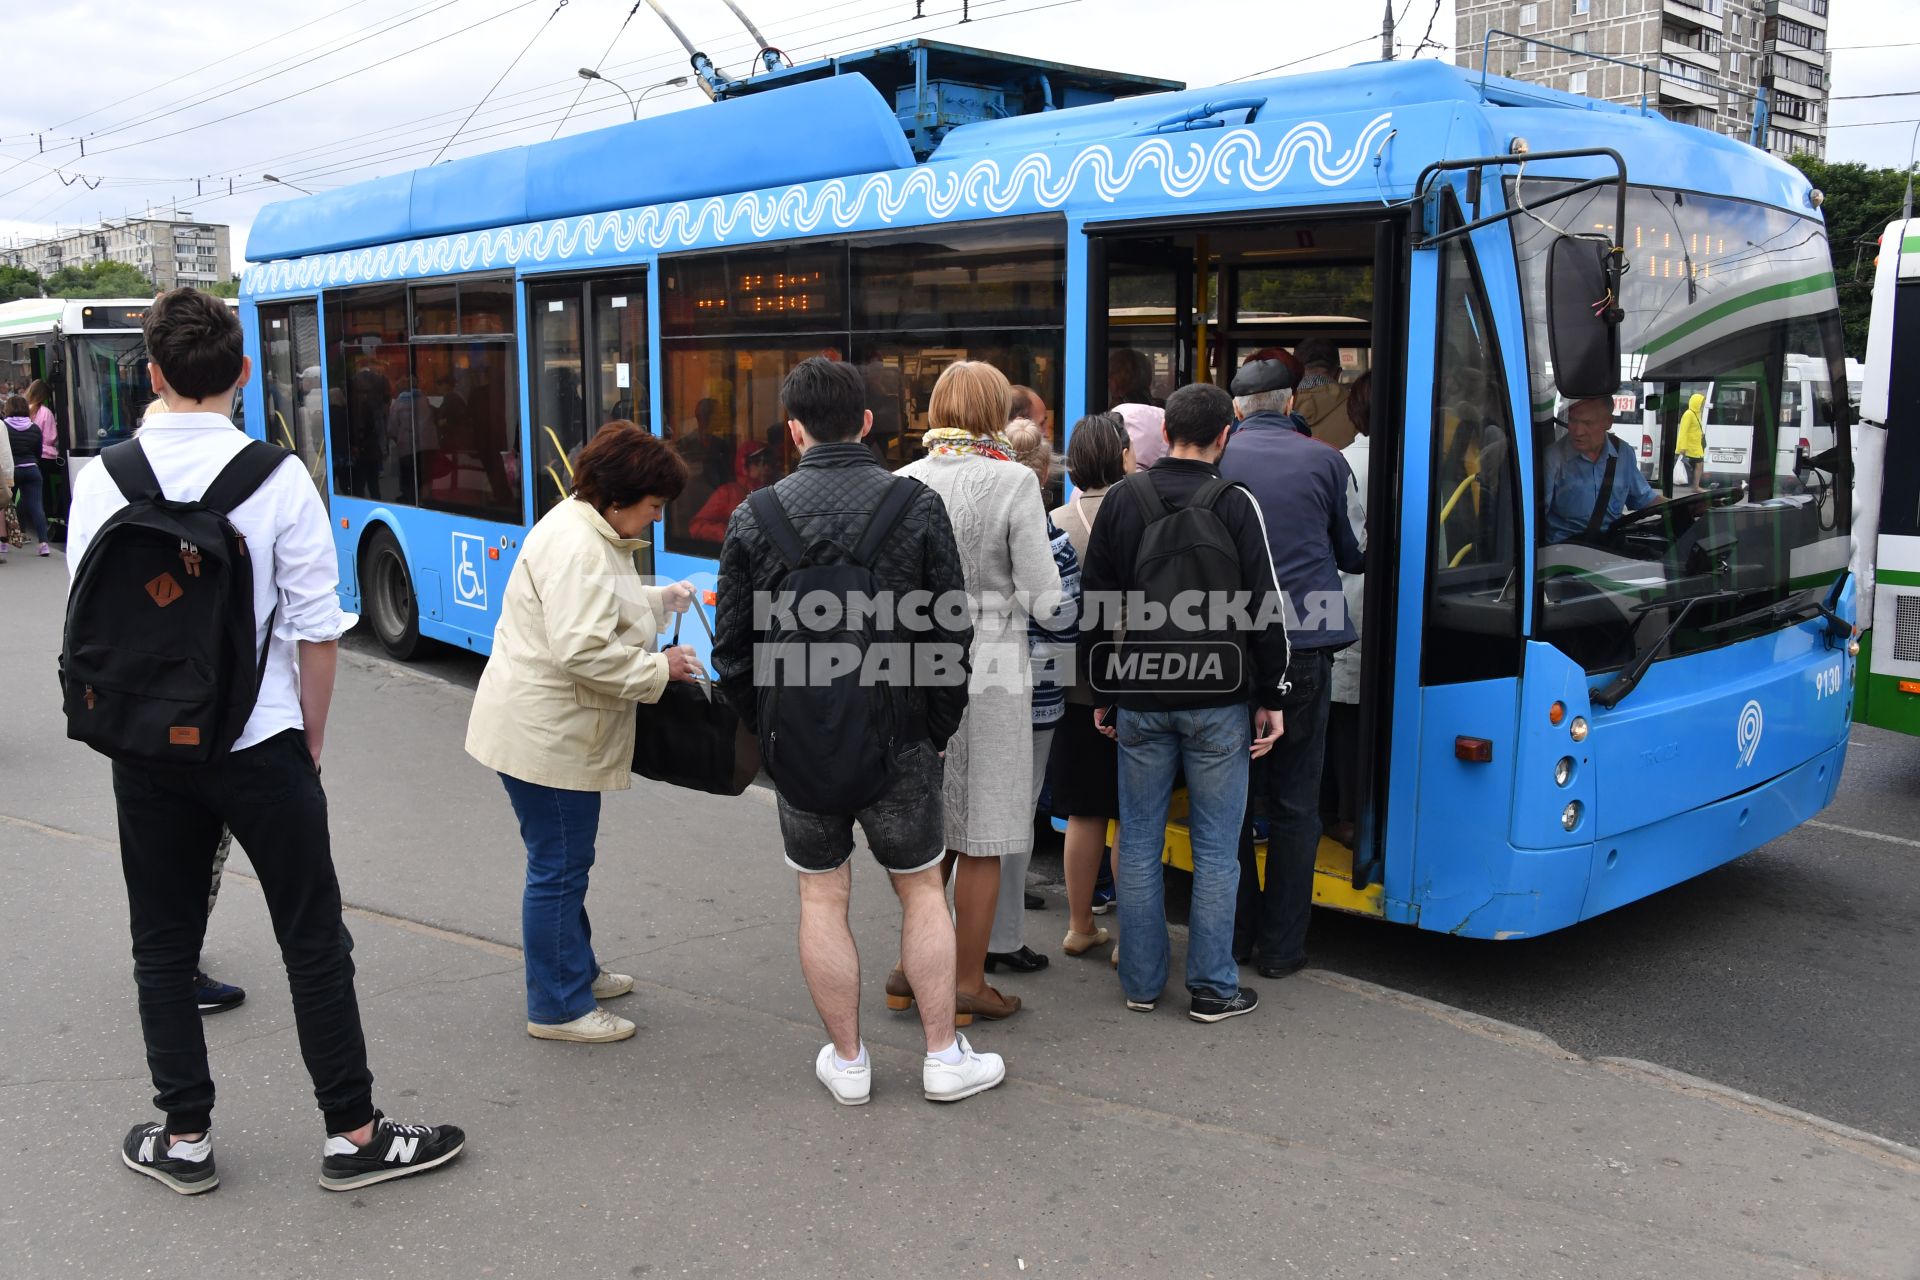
[(1799, 602), (1610, 694)]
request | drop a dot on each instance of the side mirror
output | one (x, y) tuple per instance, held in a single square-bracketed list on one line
[(1583, 330)]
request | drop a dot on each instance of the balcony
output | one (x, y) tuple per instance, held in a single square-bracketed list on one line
[(1812, 12), (1700, 13), (1783, 85), (1707, 62), (1686, 93)]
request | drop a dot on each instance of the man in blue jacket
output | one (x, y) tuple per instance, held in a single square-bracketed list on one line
[(1302, 487)]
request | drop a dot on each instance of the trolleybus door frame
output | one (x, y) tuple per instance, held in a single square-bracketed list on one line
[(1388, 336)]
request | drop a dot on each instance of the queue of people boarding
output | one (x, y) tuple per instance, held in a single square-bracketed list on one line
[(998, 654)]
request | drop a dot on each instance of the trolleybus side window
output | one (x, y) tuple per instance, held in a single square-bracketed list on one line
[(431, 397), (290, 384), (1473, 595), (900, 306), (572, 398)]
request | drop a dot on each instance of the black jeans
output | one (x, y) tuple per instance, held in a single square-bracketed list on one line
[(170, 820), (1285, 789)]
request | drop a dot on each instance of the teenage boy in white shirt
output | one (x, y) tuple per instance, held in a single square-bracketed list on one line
[(267, 789)]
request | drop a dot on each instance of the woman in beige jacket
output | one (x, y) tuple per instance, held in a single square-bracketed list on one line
[(554, 715)]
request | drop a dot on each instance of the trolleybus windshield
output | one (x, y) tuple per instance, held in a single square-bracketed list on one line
[(1722, 293)]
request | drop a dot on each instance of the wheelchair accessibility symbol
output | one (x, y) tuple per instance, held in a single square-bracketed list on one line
[(469, 570)]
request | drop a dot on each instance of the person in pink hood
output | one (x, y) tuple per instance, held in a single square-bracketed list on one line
[(752, 469)]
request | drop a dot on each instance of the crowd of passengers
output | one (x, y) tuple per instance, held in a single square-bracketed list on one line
[(1265, 756)]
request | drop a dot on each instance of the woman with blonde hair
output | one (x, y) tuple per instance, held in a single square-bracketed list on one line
[(1000, 525)]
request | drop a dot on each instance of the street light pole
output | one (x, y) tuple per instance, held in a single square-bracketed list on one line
[(588, 73), (267, 177)]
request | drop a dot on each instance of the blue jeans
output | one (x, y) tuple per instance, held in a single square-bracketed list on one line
[(33, 508), (1211, 744), (558, 827)]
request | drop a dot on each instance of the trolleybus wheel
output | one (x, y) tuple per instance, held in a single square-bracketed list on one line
[(387, 589)]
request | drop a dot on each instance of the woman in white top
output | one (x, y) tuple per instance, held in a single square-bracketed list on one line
[(1340, 800), (1000, 525)]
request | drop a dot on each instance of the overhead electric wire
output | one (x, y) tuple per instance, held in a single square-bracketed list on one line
[(604, 55), (503, 75)]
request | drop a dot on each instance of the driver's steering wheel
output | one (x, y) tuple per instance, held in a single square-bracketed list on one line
[(1632, 520)]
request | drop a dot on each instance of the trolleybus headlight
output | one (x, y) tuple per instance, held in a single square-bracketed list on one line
[(1557, 714), (1578, 729), (1570, 816), (1853, 648), (1563, 770)]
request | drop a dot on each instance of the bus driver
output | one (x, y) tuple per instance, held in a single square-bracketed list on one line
[(1581, 464)]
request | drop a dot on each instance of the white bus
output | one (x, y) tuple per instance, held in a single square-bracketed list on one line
[(1886, 527)]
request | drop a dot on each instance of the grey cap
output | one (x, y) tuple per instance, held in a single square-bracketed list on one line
[(1262, 375)]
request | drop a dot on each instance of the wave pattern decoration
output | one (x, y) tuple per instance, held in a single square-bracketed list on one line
[(1236, 159)]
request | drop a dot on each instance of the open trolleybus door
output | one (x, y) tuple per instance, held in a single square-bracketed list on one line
[(1198, 297)]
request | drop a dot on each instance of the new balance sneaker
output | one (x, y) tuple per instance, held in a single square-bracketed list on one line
[(147, 1151), (394, 1151), (1215, 1009), (608, 985), (974, 1073), (595, 1026), (850, 1086), (216, 997)]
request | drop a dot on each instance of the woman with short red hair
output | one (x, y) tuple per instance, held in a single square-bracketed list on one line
[(573, 655)]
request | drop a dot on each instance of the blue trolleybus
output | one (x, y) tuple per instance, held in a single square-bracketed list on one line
[(1553, 726)]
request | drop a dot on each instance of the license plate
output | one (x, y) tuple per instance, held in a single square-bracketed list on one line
[(1728, 455)]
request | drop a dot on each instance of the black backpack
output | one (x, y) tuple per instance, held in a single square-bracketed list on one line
[(828, 744), (157, 665), (1183, 551)]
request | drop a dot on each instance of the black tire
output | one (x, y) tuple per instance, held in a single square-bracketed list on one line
[(387, 597)]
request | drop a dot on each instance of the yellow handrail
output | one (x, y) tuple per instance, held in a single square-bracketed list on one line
[(1457, 494)]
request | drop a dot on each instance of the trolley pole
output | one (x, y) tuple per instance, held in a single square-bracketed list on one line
[(1386, 34)]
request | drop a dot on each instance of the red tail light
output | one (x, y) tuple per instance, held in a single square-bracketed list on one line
[(1646, 446), (1806, 446)]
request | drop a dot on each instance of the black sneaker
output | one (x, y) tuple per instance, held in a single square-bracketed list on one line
[(1214, 1009), (394, 1151), (216, 997), (145, 1151)]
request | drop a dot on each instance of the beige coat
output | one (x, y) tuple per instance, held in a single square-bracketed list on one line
[(571, 657)]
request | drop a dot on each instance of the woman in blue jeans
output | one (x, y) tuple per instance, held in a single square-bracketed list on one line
[(23, 443), (554, 714)]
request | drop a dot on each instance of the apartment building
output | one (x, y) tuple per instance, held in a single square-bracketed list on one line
[(1711, 63), (170, 252)]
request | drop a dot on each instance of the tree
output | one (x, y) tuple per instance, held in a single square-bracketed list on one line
[(225, 288), (1860, 203), (99, 280), (17, 283)]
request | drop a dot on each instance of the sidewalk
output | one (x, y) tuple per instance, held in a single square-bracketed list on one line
[(1341, 1130)]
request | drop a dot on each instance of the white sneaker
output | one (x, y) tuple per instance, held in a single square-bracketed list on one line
[(596, 1026), (608, 985), (850, 1086), (974, 1073)]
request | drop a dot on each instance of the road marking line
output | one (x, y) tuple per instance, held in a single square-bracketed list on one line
[(1864, 835)]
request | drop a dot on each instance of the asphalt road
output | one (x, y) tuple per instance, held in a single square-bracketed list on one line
[(1793, 973)]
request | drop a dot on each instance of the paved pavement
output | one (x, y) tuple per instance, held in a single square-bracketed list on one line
[(1793, 973), (1342, 1130)]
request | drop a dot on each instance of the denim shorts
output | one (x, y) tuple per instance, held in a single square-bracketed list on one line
[(906, 827)]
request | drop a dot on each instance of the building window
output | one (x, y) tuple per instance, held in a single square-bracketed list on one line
[(1581, 7), (1578, 41), (1736, 22), (1528, 53), (1577, 82), (1529, 16)]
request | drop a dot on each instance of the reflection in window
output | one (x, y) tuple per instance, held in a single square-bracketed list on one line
[(111, 389), (1733, 301), (572, 397), (434, 421), (294, 412), (900, 306)]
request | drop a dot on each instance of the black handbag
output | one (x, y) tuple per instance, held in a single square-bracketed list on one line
[(691, 738)]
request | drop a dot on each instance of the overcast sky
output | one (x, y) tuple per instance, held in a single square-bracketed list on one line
[(149, 92)]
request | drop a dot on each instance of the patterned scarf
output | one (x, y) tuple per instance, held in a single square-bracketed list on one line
[(953, 442)]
